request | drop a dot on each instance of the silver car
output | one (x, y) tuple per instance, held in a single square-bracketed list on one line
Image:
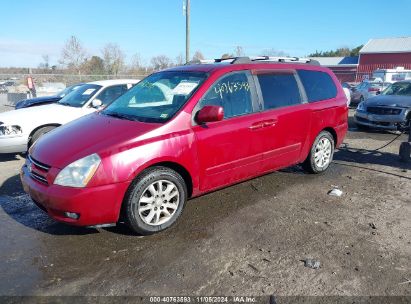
[(390, 110), (365, 90)]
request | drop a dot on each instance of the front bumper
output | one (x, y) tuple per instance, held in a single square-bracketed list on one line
[(16, 144), (95, 206), (385, 122)]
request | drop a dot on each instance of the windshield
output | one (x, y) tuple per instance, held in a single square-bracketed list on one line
[(68, 90), (80, 96), (157, 98), (398, 88)]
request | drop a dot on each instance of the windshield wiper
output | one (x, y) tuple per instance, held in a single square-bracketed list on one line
[(121, 116)]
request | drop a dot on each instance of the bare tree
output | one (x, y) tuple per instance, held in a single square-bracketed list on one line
[(198, 56), (136, 66), (180, 60), (239, 51), (73, 54), (273, 52), (161, 62), (113, 58)]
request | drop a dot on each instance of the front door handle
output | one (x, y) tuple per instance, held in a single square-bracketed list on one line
[(269, 123), (256, 126)]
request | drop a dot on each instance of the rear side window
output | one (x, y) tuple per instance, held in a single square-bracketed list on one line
[(279, 90), (318, 85)]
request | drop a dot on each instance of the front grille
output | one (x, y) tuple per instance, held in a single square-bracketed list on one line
[(383, 111), (38, 171)]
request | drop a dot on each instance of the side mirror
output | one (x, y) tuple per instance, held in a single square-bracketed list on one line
[(378, 92), (96, 103), (210, 114)]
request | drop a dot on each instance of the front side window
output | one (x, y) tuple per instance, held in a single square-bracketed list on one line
[(157, 98), (279, 89), (232, 92), (318, 85), (80, 96)]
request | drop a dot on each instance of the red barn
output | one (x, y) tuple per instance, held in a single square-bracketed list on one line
[(385, 53), (345, 68)]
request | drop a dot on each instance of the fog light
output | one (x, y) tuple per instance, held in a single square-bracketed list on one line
[(72, 215)]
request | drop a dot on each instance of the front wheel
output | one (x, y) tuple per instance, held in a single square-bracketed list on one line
[(321, 153), (155, 200)]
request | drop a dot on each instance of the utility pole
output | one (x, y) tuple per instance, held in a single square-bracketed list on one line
[(187, 11)]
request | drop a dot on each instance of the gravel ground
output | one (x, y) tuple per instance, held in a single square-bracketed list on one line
[(250, 238)]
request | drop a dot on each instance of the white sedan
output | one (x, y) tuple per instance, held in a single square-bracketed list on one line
[(19, 129)]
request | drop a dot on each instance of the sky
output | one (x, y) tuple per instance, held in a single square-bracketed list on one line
[(30, 29)]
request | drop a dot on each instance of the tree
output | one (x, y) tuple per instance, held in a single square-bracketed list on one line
[(198, 56), (227, 55), (273, 52), (356, 51), (93, 66), (340, 52), (136, 66), (46, 62), (73, 54), (180, 59), (161, 62), (113, 58), (239, 51)]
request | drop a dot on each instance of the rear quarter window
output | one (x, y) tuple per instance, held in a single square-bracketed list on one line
[(318, 85)]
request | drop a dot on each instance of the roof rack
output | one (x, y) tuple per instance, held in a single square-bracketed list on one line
[(265, 59)]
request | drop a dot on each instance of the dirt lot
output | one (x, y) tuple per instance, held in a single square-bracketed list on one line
[(248, 239)]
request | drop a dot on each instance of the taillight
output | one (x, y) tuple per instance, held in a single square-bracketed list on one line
[(373, 89)]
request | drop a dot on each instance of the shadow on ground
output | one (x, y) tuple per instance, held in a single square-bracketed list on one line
[(19, 207)]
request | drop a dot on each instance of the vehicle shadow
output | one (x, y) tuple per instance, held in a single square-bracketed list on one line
[(362, 158), (20, 208), (9, 157)]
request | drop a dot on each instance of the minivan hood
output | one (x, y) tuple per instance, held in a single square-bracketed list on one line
[(93, 133), (389, 100)]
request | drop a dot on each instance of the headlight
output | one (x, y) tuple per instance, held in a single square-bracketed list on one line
[(78, 173), (10, 130), (361, 106)]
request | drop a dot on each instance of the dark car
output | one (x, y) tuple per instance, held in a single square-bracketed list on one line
[(46, 99), (390, 110)]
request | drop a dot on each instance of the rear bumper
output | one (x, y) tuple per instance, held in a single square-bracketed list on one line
[(13, 144), (385, 122), (95, 206)]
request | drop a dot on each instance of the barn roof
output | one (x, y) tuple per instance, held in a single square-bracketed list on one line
[(387, 45), (336, 61)]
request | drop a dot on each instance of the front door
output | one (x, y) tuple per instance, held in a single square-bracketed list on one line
[(229, 150)]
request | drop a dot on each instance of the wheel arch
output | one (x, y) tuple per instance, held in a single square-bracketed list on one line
[(333, 133), (40, 127)]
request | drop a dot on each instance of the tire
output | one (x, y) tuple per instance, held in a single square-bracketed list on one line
[(362, 127), (145, 207), (316, 166), (39, 133)]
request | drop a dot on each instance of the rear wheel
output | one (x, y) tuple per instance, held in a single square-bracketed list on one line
[(39, 133), (155, 200), (321, 153)]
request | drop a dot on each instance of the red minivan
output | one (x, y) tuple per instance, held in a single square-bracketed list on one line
[(184, 132)]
